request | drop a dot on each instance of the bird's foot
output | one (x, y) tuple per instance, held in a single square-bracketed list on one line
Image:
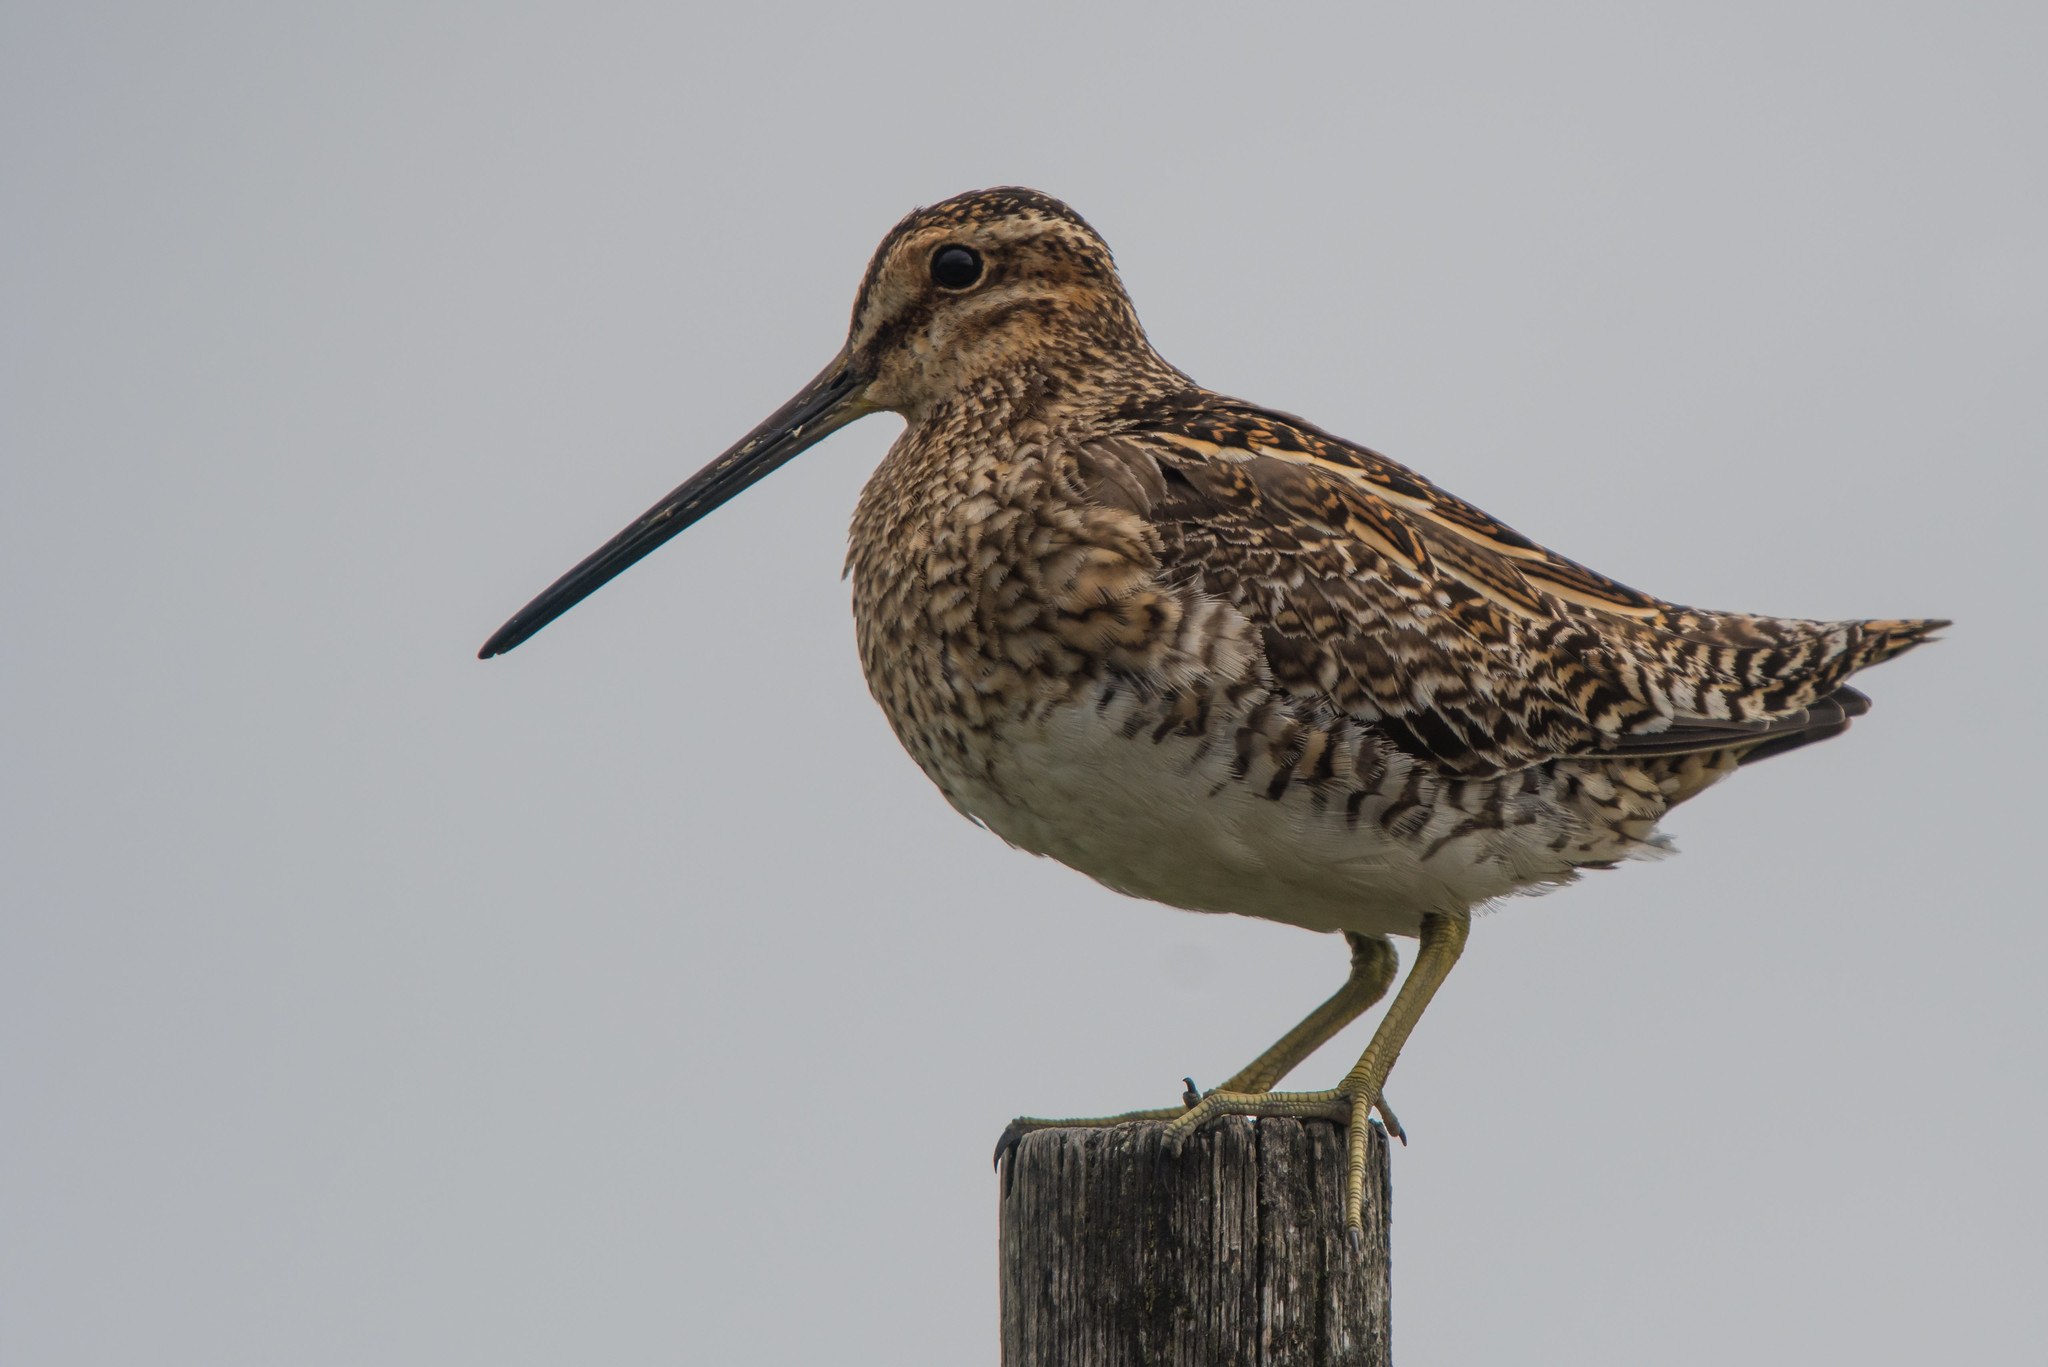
[(1351, 1107), (1190, 1096), (1025, 1124)]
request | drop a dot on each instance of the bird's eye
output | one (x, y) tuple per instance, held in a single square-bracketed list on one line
[(955, 267)]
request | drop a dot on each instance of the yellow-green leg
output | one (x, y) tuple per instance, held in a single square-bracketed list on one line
[(1443, 939), (1373, 964)]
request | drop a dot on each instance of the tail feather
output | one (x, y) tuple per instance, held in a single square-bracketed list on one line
[(1876, 641), (1797, 694), (1824, 720), (1883, 638)]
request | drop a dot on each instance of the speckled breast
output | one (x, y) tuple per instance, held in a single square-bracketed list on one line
[(1025, 653)]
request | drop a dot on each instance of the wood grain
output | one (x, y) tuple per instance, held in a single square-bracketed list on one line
[(1115, 1254)]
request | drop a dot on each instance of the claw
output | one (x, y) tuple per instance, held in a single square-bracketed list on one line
[(1013, 1134), (1192, 1097), (1393, 1125)]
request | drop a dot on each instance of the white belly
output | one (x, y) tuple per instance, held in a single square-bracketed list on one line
[(1167, 821)]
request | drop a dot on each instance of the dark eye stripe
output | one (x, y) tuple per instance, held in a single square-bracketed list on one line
[(955, 267)]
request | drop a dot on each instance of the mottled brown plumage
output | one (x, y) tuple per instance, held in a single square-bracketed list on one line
[(1212, 655)]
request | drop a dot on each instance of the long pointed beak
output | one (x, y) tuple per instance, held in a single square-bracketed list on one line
[(820, 408)]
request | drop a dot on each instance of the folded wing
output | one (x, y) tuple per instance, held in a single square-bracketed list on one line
[(1385, 598)]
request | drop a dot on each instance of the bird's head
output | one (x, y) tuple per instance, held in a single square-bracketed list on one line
[(990, 283), (995, 280)]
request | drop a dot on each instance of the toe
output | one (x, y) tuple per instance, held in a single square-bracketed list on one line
[(1393, 1124)]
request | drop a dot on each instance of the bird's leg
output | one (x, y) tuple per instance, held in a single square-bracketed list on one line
[(1352, 1100), (1373, 964)]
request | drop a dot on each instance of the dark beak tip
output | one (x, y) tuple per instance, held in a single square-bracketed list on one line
[(502, 641)]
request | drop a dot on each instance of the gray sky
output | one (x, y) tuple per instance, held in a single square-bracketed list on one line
[(364, 1003)]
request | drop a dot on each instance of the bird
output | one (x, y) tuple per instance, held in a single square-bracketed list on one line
[(1214, 656)]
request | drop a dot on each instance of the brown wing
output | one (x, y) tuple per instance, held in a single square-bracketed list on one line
[(1405, 607)]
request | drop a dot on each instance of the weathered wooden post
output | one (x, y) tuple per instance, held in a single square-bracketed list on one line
[(1230, 1254)]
